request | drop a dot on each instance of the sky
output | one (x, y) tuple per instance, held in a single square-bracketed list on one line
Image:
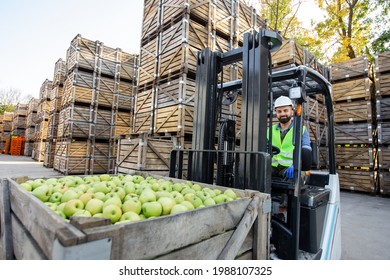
[(34, 34)]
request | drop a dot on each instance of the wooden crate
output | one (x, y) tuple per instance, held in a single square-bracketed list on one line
[(122, 123), (318, 132), (290, 53), (43, 111), (315, 110), (82, 53), (8, 116), (41, 129), (383, 84), (30, 133), (109, 60), (38, 152), (52, 126), (359, 133), (79, 87), (19, 122), (357, 67), (21, 110), (383, 108), (7, 125), (238, 229), (384, 158), (384, 182), (246, 20), (83, 157), (32, 119), (45, 90), (355, 156), (48, 160), (349, 90), (383, 133), (145, 153), (28, 148), (150, 21), (32, 105), (128, 66), (382, 62), (59, 73), (357, 180), (77, 121), (353, 112)]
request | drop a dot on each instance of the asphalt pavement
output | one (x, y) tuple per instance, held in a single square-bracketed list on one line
[(365, 219)]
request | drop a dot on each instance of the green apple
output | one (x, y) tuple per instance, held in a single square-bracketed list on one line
[(155, 186), (83, 187), (152, 209), (85, 197), (52, 181), (105, 177), (37, 183), (60, 207), (100, 196), (209, 191), (196, 187), (133, 205), (166, 186), (43, 193), (177, 196), (101, 187), (128, 178), (177, 187), (142, 217), (59, 212), (167, 203), (147, 195), (51, 205), (98, 215), (110, 195), (217, 192), (72, 206), (111, 185), (112, 212), (187, 204), (162, 193), (119, 191), (82, 213), (138, 179), (221, 198), (177, 208), (113, 200), (94, 206), (186, 190), (55, 197), (69, 195), (70, 183), (203, 195), (130, 217), (196, 201), (130, 196), (26, 186), (209, 201), (129, 187), (60, 187), (230, 193)]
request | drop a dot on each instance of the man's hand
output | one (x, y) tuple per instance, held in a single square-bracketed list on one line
[(289, 173)]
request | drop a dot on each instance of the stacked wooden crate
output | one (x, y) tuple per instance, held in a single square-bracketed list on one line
[(6, 131), (96, 107), (31, 120), (41, 125), (171, 37), (352, 96), (1, 133), (382, 72), (19, 120), (55, 98)]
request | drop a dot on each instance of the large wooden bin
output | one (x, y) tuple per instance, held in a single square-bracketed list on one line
[(238, 229)]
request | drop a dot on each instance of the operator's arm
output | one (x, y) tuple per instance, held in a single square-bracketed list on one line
[(306, 151)]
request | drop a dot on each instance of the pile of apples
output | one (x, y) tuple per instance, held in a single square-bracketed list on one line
[(123, 198)]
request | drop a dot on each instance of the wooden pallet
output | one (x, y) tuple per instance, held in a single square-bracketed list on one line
[(382, 62), (357, 67)]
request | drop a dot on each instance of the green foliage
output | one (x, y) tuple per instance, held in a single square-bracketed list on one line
[(382, 43), (6, 108)]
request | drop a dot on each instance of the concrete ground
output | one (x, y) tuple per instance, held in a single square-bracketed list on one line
[(365, 219)]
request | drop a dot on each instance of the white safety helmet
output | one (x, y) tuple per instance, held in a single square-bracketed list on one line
[(283, 101)]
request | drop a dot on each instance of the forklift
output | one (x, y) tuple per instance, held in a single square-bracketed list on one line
[(305, 211)]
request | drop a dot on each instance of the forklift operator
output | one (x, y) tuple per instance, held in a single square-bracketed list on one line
[(282, 137)]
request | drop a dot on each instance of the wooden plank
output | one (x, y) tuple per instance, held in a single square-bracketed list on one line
[(355, 156), (383, 108), (384, 157), (384, 182), (6, 246), (383, 84), (383, 133), (360, 133)]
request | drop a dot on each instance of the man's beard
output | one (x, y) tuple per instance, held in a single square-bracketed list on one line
[(285, 119)]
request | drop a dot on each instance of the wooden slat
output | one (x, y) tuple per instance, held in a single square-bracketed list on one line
[(349, 90), (355, 156), (353, 112), (383, 133), (383, 108), (384, 182), (357, 180), (384, 157), (382, 62), (289, 53), (357, 67), (383, 84), (360, 133)]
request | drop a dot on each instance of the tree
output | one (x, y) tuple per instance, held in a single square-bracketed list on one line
[(348, 30), (8, 99), (282, 16)]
